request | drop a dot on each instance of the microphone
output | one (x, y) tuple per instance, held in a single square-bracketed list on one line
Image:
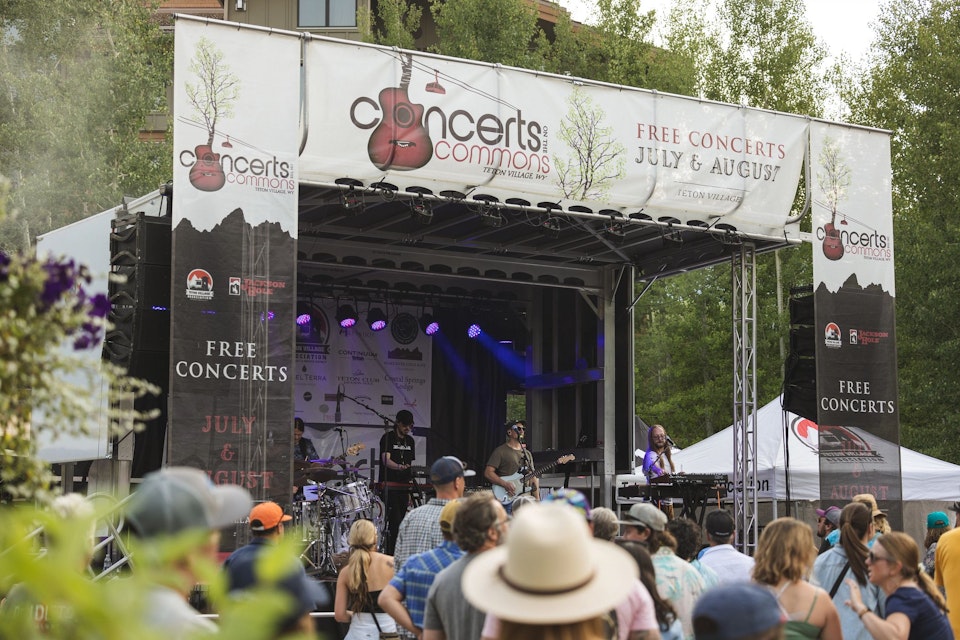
[(336, 412), (671, 442), (340, 429)]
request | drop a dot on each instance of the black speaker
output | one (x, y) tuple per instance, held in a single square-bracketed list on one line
[(800, 368), (139, 338), (139, 288)]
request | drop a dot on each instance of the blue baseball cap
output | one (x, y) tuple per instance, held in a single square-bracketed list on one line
[(737, 610)]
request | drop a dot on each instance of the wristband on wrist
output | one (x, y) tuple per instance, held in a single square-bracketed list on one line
[(863, 612)]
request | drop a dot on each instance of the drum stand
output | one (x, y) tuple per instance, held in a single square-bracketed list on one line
[(318, 555)]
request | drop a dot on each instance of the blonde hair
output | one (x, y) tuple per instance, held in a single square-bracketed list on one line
[(785, 551), (666, 451), (903, 549), (362, 539), (591, 629)]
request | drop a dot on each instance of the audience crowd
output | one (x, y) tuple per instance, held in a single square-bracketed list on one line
[(558, 570)]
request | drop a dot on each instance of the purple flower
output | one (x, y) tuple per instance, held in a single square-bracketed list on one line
[(60, 279), (4, 266), (100, 306)]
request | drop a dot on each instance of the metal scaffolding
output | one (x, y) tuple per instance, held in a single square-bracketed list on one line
[(744, 303)]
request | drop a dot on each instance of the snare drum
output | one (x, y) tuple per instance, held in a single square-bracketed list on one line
[(351, 498)]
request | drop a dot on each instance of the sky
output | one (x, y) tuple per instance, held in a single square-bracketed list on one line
[(843, 24)]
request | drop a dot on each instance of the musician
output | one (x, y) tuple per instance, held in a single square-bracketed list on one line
[(303, 448), (658, 461), (397, 452), (303, 451), (512, 457)]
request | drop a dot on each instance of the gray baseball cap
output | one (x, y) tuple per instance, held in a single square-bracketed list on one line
[(178, 499)]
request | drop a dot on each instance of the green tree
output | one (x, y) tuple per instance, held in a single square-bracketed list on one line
[(501, 31), (760, 54), (911, 89), (79, 80), (393, 25)]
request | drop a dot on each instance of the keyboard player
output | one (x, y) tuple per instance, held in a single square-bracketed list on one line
[(658, 461)]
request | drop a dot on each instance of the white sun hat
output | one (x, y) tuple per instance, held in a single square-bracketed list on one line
[(550, 571)]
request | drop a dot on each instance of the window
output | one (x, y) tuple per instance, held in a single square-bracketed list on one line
[(327, 13)]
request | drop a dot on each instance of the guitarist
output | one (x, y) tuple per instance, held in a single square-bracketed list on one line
[(512, 457)]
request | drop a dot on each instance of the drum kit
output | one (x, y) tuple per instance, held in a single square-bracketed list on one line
[(335, 495)]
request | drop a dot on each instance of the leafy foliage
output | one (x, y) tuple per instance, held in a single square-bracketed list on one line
[(911, 88), (79, 79), (503, 31), (393, 25)]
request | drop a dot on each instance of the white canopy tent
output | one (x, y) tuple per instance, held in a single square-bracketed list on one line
[(924, 477)]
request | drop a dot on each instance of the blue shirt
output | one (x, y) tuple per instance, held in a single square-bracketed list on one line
[(413, 580), (927, 622)]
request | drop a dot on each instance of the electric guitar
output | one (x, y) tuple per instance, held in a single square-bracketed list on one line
[(519, 481), (400, 141), (832, 244)]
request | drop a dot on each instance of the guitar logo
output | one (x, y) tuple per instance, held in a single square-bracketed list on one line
[(207, 172), (400, 141), (832, 244)]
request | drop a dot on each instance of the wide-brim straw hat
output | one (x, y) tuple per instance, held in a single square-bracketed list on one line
[(550, 571)]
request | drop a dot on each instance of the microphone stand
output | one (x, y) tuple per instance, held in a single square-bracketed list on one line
[(387, 422)]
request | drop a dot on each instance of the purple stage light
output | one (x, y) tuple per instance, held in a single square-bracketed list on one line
[(473, 331)]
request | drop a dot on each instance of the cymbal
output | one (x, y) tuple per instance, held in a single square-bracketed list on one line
[(317, 474)]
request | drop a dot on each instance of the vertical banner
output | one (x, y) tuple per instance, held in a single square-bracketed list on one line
[(853, 268), (236, 106)]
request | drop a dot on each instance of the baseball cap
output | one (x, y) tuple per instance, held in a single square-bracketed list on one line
[(178, 499), (404, 416), (832, 514), (466, 472), (266, 516), (719, 524), (735, 611), (570, 497), (937, 520), (647, 515), (445, 470), (448, 514)]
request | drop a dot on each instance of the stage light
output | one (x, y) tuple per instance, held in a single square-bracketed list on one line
[(346, 316), (421, 211), (428, 324), (473, 331), (376, 319), (352, 201), (303, 319), (490, 216)]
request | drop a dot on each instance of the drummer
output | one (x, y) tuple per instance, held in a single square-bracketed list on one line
[(303, 451)]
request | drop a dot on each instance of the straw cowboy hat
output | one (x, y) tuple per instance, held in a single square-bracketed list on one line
[(550, 571)]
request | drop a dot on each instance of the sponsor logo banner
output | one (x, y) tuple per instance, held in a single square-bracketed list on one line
[(386, 370)]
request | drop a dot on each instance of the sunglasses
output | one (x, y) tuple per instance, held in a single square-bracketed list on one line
[(872, 557)]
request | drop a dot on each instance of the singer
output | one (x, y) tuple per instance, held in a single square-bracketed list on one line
[(658, 461)]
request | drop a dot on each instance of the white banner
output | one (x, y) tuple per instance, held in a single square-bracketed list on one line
[(233, 293), (386, 370), (416, 120)]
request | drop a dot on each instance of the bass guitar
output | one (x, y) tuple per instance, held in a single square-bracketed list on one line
[(519, 480)]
